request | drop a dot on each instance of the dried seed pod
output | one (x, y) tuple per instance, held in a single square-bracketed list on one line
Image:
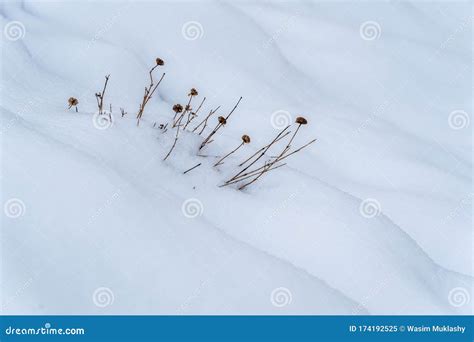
[(187, 108), (178, 108), (222, 120), (72, 101), (193, 92), (159, 61), (246, 139), (301, 120)]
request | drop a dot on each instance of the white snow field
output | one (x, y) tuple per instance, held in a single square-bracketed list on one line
[(375, 217)]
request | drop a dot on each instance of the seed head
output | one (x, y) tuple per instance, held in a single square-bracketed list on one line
[(187, 108), (73, 101), (193, 92), (246, 139), (222, 120), (159, 61), (178, 108), (300, 120)]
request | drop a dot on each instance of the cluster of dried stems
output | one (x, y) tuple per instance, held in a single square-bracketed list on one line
[(100, 96), (150, 90), (252, 175), (183, 116)]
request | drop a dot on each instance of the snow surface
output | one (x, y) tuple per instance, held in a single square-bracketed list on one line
[(102, 229)]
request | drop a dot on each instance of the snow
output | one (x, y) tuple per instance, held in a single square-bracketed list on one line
[(103, 217)]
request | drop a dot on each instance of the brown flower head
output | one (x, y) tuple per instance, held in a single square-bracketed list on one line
[(246, 139), (159, 61), (300, 120), (73, 101), (187, 108), (222, 120), (193, 92), (178, 108)]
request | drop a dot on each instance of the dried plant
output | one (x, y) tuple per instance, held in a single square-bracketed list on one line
[(205, 121), (73, 102), (150, 90), (221, 122), (195, 166), (193, 115), (187, 109), (264, 150), (175, 138), (245, 140), (123, 112), (271, 164), (100, 96)]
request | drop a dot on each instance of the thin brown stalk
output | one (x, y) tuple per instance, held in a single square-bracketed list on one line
[(186, 109), (228, 154), (253, 155), (237, 179), (205, 120), (219, 125), (195, 166), (261, 154), (192, 115), (100, 96), (251, 174), (175, 139), (149, 91)]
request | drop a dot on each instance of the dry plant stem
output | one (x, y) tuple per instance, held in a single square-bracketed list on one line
[(175, 139), (228, 154), (100, 96), (251, 174), (149, 91), (219, 125), (255, 179), (253, 155), (241, 177), (261, 154), (214, 131), (191, 117), (175, 122), (205, 120), (195, 166)]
